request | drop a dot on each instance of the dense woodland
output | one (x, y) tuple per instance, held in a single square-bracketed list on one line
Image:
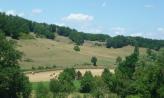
[(16, 27)]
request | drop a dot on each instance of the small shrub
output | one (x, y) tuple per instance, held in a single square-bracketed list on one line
[(79, 75), (47, 67), (28, 60), (76, 48), (53, 66), (33, 68), (41, 67), (94, 60)]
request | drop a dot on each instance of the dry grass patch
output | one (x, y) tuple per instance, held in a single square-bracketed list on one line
[(45, 52)]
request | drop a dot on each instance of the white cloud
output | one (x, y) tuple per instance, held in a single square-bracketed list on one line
[(148, 6), (104, 4), (160, 29), (95, 30), (21, 14), (118, 30), (78, 17), (91, 29), (0, 10), (37, 11), (60, 24), (14, 13), (137, 34), (11, 12), (151, 35)]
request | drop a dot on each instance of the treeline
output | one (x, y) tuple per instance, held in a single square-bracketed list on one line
[(71, 81), (15, 27), (121, 41)]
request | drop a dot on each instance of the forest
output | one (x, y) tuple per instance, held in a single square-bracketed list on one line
[(15, 27)]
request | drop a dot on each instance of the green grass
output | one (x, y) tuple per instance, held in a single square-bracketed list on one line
[(44, 52), (77, 85), (46, 84), (35, 84)]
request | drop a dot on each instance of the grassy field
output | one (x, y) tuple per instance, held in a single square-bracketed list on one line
[(59, 52)]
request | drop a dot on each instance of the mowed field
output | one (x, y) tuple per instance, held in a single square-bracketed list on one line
[(46, 76), (59, 52)]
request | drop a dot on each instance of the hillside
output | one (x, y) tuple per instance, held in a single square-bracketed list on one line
[(18, 27), (45, 52)]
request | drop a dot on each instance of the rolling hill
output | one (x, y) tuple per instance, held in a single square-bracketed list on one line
[(60, 53)]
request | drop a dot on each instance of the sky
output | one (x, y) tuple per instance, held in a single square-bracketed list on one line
[(113, 17)]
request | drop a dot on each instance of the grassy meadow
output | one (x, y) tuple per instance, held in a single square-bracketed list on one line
[(60, 53)]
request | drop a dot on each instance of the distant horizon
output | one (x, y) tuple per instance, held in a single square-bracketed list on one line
[(112, 17)]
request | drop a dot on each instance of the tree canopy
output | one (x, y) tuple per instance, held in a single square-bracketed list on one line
[(13, 83), (16, 26)]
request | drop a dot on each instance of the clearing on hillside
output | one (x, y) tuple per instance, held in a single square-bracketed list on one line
[(45, 52)]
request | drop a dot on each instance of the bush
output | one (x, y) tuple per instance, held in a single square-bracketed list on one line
[(41, 67), (42, 91), (109, 79), (64, 84), (94, 60), (76, 48), (53, 66), (33, 68), (47, 67), (55, 86), (87, 82), (100, 88), (79, 75), (68, 74)]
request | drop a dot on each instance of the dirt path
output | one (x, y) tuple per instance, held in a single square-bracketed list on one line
[(46, 76)]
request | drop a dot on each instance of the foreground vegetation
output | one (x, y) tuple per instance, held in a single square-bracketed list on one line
[(13, 83), (134, 78)]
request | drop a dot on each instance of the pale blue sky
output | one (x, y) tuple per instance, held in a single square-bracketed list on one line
[(114, 17)]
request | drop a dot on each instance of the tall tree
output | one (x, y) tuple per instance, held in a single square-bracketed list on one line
[(13, 83), (94, 60), (87, 82)]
